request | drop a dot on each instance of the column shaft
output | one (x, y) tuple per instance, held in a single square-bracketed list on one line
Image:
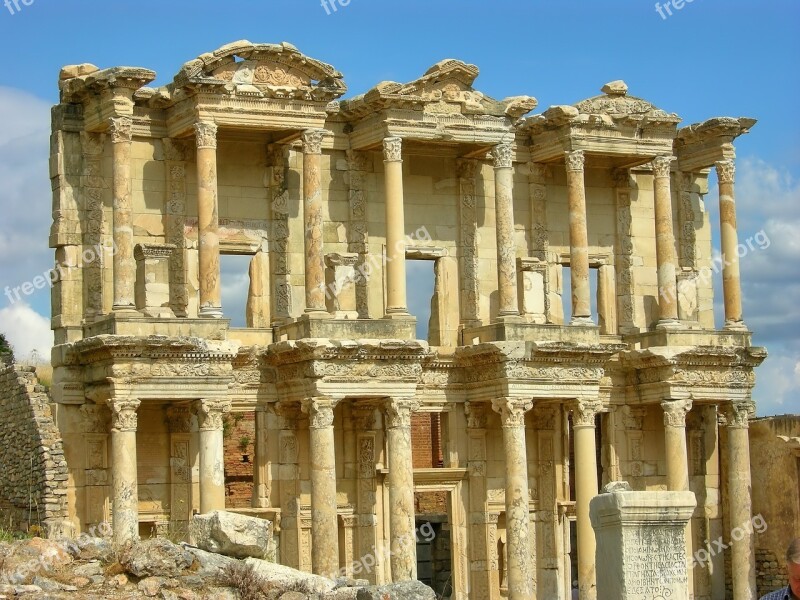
[(729, 241), (665, 242), (578, 240), (585, 489), (396, 301), (212, 454), (312, 217), (124, 273), (675, 444), (402, 527), (261, 486), (208, 220), (504, 225), (512, 419), (740, 502), (324, 520), (125, 484)]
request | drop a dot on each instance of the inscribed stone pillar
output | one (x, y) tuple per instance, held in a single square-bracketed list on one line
[(729, 241), (665, 243), (125, 485), (124, 266), (324, 520), (740, 501), (208, 220), (508, 301), (583, 423), (402, 532), (578, 241), (396, 302), (520, 574), (643, 539), (312, 219), (212, 454)]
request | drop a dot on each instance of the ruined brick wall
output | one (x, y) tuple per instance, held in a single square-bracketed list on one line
[(770, 572), (239, 428), (33, 471)]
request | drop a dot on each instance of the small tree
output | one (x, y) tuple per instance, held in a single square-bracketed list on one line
[(6, 351)]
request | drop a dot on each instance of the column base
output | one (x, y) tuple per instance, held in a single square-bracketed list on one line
[(509, 318), (397, 313), (128, 310), (315, 313), (669, 324), (735, 326), (211, 312), (582, 322)]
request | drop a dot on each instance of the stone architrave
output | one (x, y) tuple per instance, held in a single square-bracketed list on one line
[(641, 543)]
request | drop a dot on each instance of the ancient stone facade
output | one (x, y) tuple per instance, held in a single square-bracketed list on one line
[(250, 150)]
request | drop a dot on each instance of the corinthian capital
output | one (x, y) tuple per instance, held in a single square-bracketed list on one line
[(206, 134), (575, 160), (584, 412), (738, 414), (675, 412), (319, 411), (398, 412), (512, 411), (123, 413), (121, 129), (502, 156), (393, 149), (661, 165), (210, 413), (312, 141), (726, 171)]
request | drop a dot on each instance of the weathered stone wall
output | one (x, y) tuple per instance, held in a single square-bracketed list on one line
[(33, 471)]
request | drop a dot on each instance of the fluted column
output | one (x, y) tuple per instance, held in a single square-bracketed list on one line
[(729, 241), (675, 412), (504, 225), (578, 240), (402, 534), (312, 217), (208, 220), (396, 302), (519, 568), (322, 452), (124, 266), (743, 569), (212, 453), (583, 424), (125, 483), (665, 243)]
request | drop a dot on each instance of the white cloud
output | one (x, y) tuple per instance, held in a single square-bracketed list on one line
[(27, 331)]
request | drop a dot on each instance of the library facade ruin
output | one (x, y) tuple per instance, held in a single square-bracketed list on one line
[(571, 339)]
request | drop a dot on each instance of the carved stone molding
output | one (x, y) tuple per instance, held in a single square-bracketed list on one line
[(675, 412), (502, 156), (312, 141), (575, 160), (512, 411), (319, 411), (393, 149), (123, 413), (726, 171), (661, 165), (738, 414), (476, 415), (121, 129), (584, 412), (206, 134), (179, 419), (466, 168), (398, 412), (210, 413)]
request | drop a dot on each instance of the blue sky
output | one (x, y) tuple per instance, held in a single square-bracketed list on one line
[(710, 58)]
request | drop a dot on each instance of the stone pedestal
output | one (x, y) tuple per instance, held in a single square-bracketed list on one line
[(340, 285), (641, 543), (212, 454), (152, 279)]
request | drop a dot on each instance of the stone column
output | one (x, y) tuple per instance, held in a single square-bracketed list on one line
[(124, 266), (508, 304), (402, 534), (578, 243), (212, 454), (125, 484), (396, 303), (312, 218), (512, 419), (324, 521), (675, 412), (740, 501), (208, 220), (583, 423), (261, 474), (729, 241), (665, 243)]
